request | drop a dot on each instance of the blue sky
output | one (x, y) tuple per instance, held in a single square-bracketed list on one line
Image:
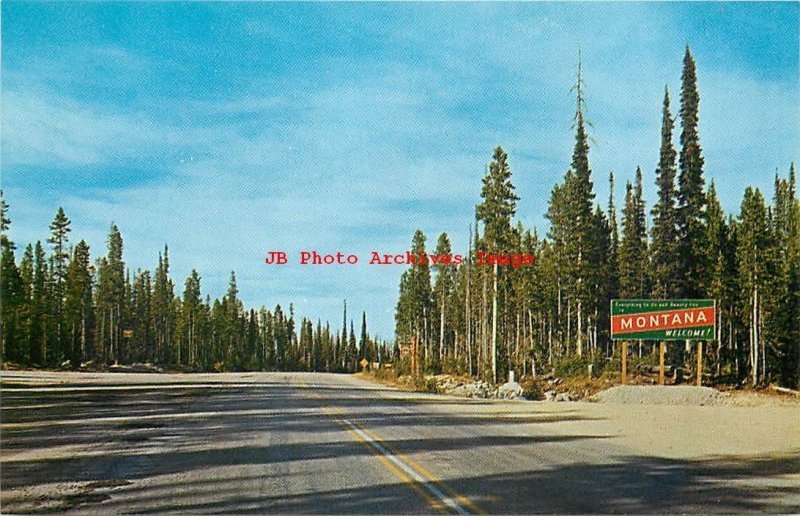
[(227, 130)]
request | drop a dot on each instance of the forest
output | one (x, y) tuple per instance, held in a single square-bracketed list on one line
[(62, 310), (485, 321)]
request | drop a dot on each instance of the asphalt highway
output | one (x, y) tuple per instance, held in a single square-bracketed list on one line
[(322, 443)]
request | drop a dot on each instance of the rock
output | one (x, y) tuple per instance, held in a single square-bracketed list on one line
[(509, 390), (563, 396), (550, 395)]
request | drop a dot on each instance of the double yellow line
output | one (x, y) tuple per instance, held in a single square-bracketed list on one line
[(438, 495)]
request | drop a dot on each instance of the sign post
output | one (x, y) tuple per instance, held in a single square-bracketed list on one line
[(624, 361), (662, 320), (699, 363)]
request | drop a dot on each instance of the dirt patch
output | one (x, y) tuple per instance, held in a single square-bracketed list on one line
[(691, 396), (661, 395)]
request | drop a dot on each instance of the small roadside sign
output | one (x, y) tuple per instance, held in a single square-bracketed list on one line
[(364, 363)]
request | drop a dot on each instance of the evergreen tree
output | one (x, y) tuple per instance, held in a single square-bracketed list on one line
[(664, 250), (11, 293), (691, 197), (499, 203), (352, 351), (612, 273), (58, 262), (783, 325), (752, 253), (415, 303), (143, 319), (26, 272), (39, 309), (191, 316), (633, 249), (78, 306), (443, 291), (163, 310), (364, 345), (110, 296), (495, 211)]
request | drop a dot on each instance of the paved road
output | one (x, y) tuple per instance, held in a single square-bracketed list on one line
[(319, 443)]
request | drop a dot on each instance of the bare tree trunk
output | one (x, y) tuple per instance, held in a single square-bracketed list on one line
[(754, 336), (533, 351), (579, 343), (494, 324), (516, 347), (468, 319), (763, 345), (719, 342), (594, 331), (569, 323), (441, 332), (484, 342)]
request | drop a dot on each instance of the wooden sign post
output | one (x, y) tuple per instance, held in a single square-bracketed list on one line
[(624, 361), (699, 363), (661, 348)]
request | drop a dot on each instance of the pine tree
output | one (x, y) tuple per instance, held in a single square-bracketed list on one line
[(783, 324), (78, 307), (58, 262), (11, 293), (163, 311), (612, 272), (664, 250), (110, 298), (499, 203), (576, 236), (719, 267), (495, 211), (39, 309), (633, 249), (443, 291), (364, 346), (691, 197), (191, 315), (752, 248), (143, 320), (351, 352), (415, 303), (26, 268)]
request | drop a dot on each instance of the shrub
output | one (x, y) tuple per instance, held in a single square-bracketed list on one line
[(532, 389)]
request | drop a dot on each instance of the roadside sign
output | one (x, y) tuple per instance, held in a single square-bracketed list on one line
[(364, 362), (663, 319), (127, 334)]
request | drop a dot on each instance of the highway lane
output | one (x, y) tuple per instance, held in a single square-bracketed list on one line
[(319, 443)]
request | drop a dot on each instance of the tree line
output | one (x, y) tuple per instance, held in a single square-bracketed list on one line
[(61, 310), (485, 321)]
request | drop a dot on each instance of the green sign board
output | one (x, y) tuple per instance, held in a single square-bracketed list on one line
[(663, 319)]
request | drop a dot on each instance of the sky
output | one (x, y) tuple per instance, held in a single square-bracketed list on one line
[(227, 130)]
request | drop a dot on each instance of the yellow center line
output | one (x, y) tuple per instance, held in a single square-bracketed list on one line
[(463, 500), (438, 495)]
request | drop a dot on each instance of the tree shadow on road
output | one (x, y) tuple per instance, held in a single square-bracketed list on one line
[(628, 485)]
